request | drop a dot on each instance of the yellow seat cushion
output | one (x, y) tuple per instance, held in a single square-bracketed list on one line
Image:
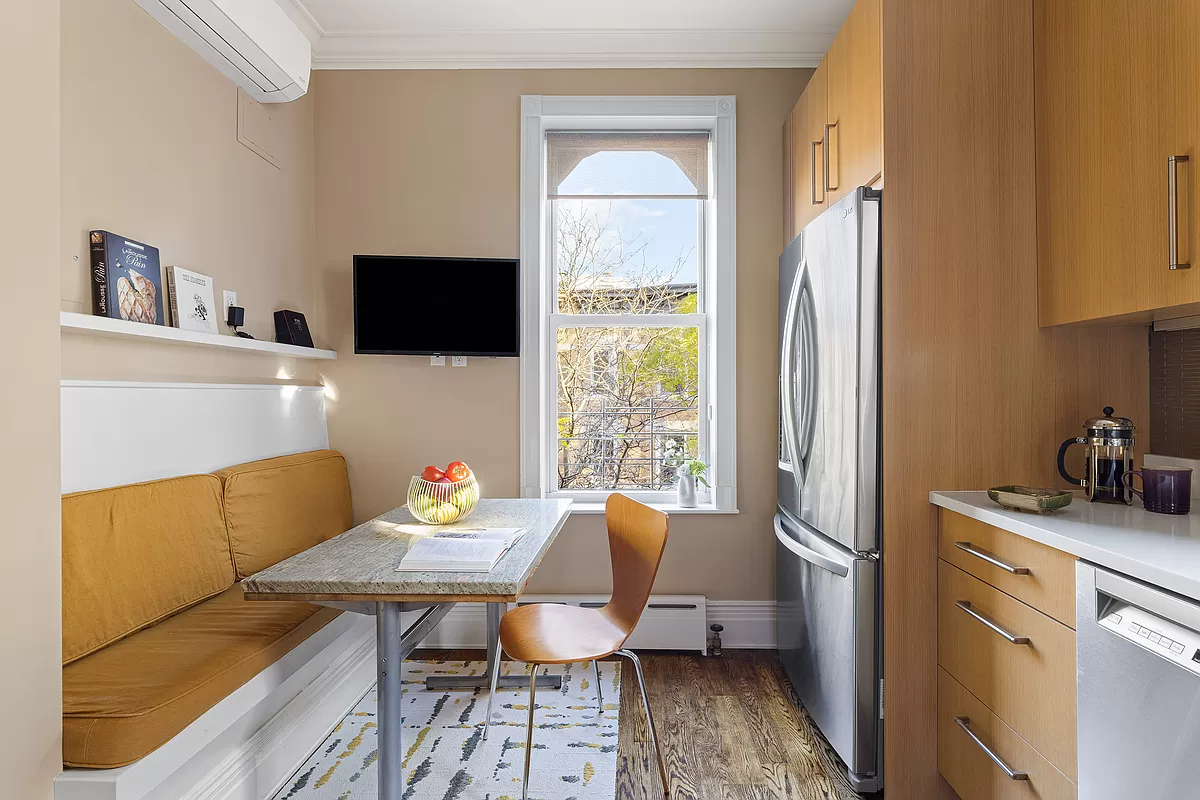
[(136, 554), (282, 506), (125, 701)]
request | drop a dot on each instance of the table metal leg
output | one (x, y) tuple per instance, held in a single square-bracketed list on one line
[(390, 662), (494, 612)]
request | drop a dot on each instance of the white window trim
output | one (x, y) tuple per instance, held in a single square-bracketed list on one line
[(715, 114)]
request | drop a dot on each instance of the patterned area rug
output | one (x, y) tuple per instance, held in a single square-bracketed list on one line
[(575, 748)]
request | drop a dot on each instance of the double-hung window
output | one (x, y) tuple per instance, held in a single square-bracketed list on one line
[(628, 289)]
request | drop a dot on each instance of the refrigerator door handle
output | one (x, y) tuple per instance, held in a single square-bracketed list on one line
[(808, 554), (787, 397), (808, 333)]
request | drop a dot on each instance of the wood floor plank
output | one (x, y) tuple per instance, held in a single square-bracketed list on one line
[(730, 730)]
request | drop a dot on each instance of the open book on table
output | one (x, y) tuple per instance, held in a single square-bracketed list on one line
[(460, 549)]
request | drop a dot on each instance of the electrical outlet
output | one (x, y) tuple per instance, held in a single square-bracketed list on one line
[(437, 361), (459, 361), (230, 298)]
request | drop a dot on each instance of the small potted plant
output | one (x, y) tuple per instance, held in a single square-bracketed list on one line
[(690, 472)]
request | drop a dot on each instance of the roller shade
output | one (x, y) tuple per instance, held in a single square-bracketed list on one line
[(566, 150)]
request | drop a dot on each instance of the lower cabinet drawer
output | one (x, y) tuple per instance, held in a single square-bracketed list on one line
[(968, 732), (1029, 683)]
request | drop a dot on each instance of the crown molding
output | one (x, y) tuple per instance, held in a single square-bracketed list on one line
[(570, 49), (304, 19)]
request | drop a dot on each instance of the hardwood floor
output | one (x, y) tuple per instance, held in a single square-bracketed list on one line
[(729, 727)]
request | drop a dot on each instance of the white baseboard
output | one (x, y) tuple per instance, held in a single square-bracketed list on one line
[(749, 625)]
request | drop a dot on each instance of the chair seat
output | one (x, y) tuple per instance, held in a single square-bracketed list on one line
[(125, 701), (551, 633)]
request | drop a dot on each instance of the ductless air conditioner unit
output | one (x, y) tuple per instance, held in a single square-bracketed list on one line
[(252, 41)]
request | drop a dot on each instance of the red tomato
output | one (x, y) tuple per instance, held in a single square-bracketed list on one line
[(432, 473), (458, 471)]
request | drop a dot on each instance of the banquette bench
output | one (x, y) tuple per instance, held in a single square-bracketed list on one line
[(155, 629)]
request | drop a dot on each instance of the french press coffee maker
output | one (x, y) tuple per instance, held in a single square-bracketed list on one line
[(1108, 455)]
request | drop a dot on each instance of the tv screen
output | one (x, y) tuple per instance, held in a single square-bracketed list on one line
[(419, 306)]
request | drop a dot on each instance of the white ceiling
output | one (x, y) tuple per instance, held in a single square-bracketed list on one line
[(457, 34)]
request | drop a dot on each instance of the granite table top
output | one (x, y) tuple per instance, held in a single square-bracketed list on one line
[(360, 564)]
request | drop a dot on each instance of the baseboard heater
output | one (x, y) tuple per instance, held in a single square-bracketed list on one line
[(670, 621)]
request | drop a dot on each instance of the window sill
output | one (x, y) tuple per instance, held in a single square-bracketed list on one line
[(580, 507)]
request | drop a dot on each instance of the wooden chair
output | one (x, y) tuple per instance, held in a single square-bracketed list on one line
[(560, 634)]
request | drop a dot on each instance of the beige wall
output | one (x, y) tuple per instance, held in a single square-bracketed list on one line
[(427, 163), (150, 150), (30, 680)]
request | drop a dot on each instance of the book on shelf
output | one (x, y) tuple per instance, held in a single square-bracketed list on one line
[(460, 549), (192, 304), (126, 279)]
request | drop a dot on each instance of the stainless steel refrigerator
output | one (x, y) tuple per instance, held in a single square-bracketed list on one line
[(828, 523)]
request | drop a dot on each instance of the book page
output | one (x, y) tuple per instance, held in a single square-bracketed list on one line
[(510, 535), (453, 553)]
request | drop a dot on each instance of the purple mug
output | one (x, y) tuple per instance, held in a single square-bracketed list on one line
[(1165, 490)]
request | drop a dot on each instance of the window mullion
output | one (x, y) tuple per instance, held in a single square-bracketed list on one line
[(627, 320)]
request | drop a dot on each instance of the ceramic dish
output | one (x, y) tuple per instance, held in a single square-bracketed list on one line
[(1025, 498)]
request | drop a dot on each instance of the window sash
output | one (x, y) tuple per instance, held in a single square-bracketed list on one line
[(702, 241), (703, 409)]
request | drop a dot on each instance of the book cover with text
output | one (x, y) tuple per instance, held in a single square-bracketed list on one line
[(126, 279), (192, 304)]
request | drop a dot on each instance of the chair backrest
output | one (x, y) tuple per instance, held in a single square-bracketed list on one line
[(637, 536)]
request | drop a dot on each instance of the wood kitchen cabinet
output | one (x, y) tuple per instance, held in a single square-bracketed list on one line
[(1006, 663), (1116, 88), (855, 102), (834, 135), (808, 152)]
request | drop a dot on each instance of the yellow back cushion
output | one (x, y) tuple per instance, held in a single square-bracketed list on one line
[(134, 555), (282, 506)]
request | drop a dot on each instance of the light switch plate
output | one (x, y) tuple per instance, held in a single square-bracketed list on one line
[(437, 361), (459, 361), (230, 298)]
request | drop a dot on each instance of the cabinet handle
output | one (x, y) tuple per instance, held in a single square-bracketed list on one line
[(812, 173), (1011, 638), (984, 555), (825, 154), (1173, 163), (1014, 775)]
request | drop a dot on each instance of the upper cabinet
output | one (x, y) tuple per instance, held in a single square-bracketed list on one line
[(834, 136), (1117, 92), (854, 102), (808, 152)]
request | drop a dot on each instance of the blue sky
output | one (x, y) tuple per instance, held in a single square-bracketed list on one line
[(669, 226)]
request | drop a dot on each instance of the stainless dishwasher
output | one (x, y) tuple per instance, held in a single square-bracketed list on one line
[(1138, 681)]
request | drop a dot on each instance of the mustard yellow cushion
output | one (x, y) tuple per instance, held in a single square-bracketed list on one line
[(127, 700), (134, 555), (283, 506)]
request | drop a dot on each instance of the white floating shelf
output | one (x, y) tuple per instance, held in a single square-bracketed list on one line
[(90, 325)]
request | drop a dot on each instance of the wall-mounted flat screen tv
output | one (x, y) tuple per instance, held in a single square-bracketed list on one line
[(420, 306)]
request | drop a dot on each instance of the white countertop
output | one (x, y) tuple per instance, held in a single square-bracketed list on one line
[(1160, 549)]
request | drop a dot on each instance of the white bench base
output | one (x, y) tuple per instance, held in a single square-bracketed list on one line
[(248, 745)]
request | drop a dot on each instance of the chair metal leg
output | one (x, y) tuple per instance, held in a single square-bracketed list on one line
[(529, 730), (599, 692), (487, 723), (637, 668)]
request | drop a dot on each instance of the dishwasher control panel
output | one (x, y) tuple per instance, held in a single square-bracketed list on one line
[(1168, 639)]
